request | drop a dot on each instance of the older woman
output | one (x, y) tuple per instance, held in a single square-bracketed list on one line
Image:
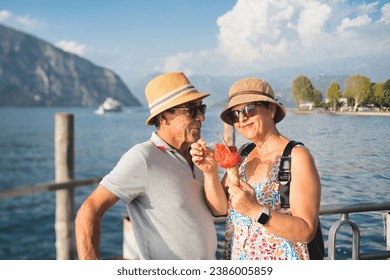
[(257, 226)]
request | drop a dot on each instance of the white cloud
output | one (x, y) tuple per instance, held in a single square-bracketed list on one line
[(312, 20), (25, 22), (4, 15), (264, 35), (29, 22), (368, 8), (173, 63), (254, 29), (72, 47), (356, 22), (385, 11)]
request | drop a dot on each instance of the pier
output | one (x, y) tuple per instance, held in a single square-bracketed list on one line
[(65, 183)]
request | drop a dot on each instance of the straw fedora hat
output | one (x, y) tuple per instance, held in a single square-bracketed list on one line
[(251, 90), (169, 90)]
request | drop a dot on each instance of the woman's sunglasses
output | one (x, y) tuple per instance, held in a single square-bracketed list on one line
[(248, 111), (193, 110)]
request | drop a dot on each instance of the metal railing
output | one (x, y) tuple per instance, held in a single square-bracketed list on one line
[(344, 210)]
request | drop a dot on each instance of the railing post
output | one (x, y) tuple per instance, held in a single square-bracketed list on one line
[(228, 134), (388, 231), (332, 237), (64, 172)]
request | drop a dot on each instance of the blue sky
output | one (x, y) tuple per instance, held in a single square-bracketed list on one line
[(218, 37)]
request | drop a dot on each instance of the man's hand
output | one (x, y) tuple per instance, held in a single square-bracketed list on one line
[(203, 157)]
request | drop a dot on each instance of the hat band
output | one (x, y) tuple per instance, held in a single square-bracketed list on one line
[(250, 92), (170, 96)]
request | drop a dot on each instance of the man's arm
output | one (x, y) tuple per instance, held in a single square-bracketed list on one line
[(203, 157), (88, 222)]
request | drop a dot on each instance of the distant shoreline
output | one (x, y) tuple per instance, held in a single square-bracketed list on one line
[(304, 112)]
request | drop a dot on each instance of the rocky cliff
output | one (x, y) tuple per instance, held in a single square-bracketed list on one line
[(36, 73)]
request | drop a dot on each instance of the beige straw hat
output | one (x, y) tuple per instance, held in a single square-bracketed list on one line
[(251, 90), (169, 90)]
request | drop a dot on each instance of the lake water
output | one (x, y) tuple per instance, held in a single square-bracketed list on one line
[(352, 154)]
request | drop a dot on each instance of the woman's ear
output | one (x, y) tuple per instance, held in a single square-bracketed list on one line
[(272, 110)]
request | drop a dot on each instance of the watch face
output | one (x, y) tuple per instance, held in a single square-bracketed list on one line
[(263, 218)]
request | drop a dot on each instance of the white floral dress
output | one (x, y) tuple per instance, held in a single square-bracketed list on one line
[(246, 239)]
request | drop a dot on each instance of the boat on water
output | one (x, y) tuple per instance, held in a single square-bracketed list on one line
[(109, 105)]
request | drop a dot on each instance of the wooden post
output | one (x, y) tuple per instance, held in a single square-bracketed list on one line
[(64, 172), (228, 134)]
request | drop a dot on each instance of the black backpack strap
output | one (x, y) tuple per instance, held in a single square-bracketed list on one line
[(285, 174), (284, 169), (245, 149)]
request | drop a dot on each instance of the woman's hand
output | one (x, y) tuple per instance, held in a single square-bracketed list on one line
[(203, 157), (244, 201)]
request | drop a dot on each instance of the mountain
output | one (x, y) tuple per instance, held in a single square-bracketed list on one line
[(321, 76), (36, 73), (218, 87)]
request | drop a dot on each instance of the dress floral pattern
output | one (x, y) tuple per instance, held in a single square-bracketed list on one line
[(247, 239)]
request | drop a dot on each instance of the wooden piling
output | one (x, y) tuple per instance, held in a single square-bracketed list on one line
[(64, 172)]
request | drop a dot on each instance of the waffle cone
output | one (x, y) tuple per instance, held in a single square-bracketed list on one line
[(234, 177)]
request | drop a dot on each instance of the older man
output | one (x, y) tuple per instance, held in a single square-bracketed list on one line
[(158, 182)]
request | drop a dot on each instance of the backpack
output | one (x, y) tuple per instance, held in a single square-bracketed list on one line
[(316, 246)]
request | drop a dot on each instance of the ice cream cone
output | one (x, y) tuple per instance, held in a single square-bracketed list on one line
[(233, 175), (228, 158)]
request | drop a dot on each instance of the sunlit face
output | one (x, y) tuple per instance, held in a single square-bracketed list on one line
[(186, 121), (251, 119)]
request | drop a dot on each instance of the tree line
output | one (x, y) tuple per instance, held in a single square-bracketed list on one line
[(359, 92)]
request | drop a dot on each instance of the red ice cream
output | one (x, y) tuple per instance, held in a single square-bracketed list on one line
[(227, 158)]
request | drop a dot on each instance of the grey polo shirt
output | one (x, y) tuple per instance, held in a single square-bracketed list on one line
[(165, 202)]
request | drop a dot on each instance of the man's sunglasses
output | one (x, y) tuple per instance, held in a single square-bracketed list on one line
[(192, 110), (248, 111)]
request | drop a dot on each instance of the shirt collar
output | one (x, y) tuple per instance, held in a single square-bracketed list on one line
[(159, 143)]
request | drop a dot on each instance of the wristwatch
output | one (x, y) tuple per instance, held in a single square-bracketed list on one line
[(264, 216)]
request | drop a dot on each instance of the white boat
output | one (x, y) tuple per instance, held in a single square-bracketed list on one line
[(109, 105)]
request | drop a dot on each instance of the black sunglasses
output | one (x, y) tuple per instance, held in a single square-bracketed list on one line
[(192, 110), (248, 111)]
